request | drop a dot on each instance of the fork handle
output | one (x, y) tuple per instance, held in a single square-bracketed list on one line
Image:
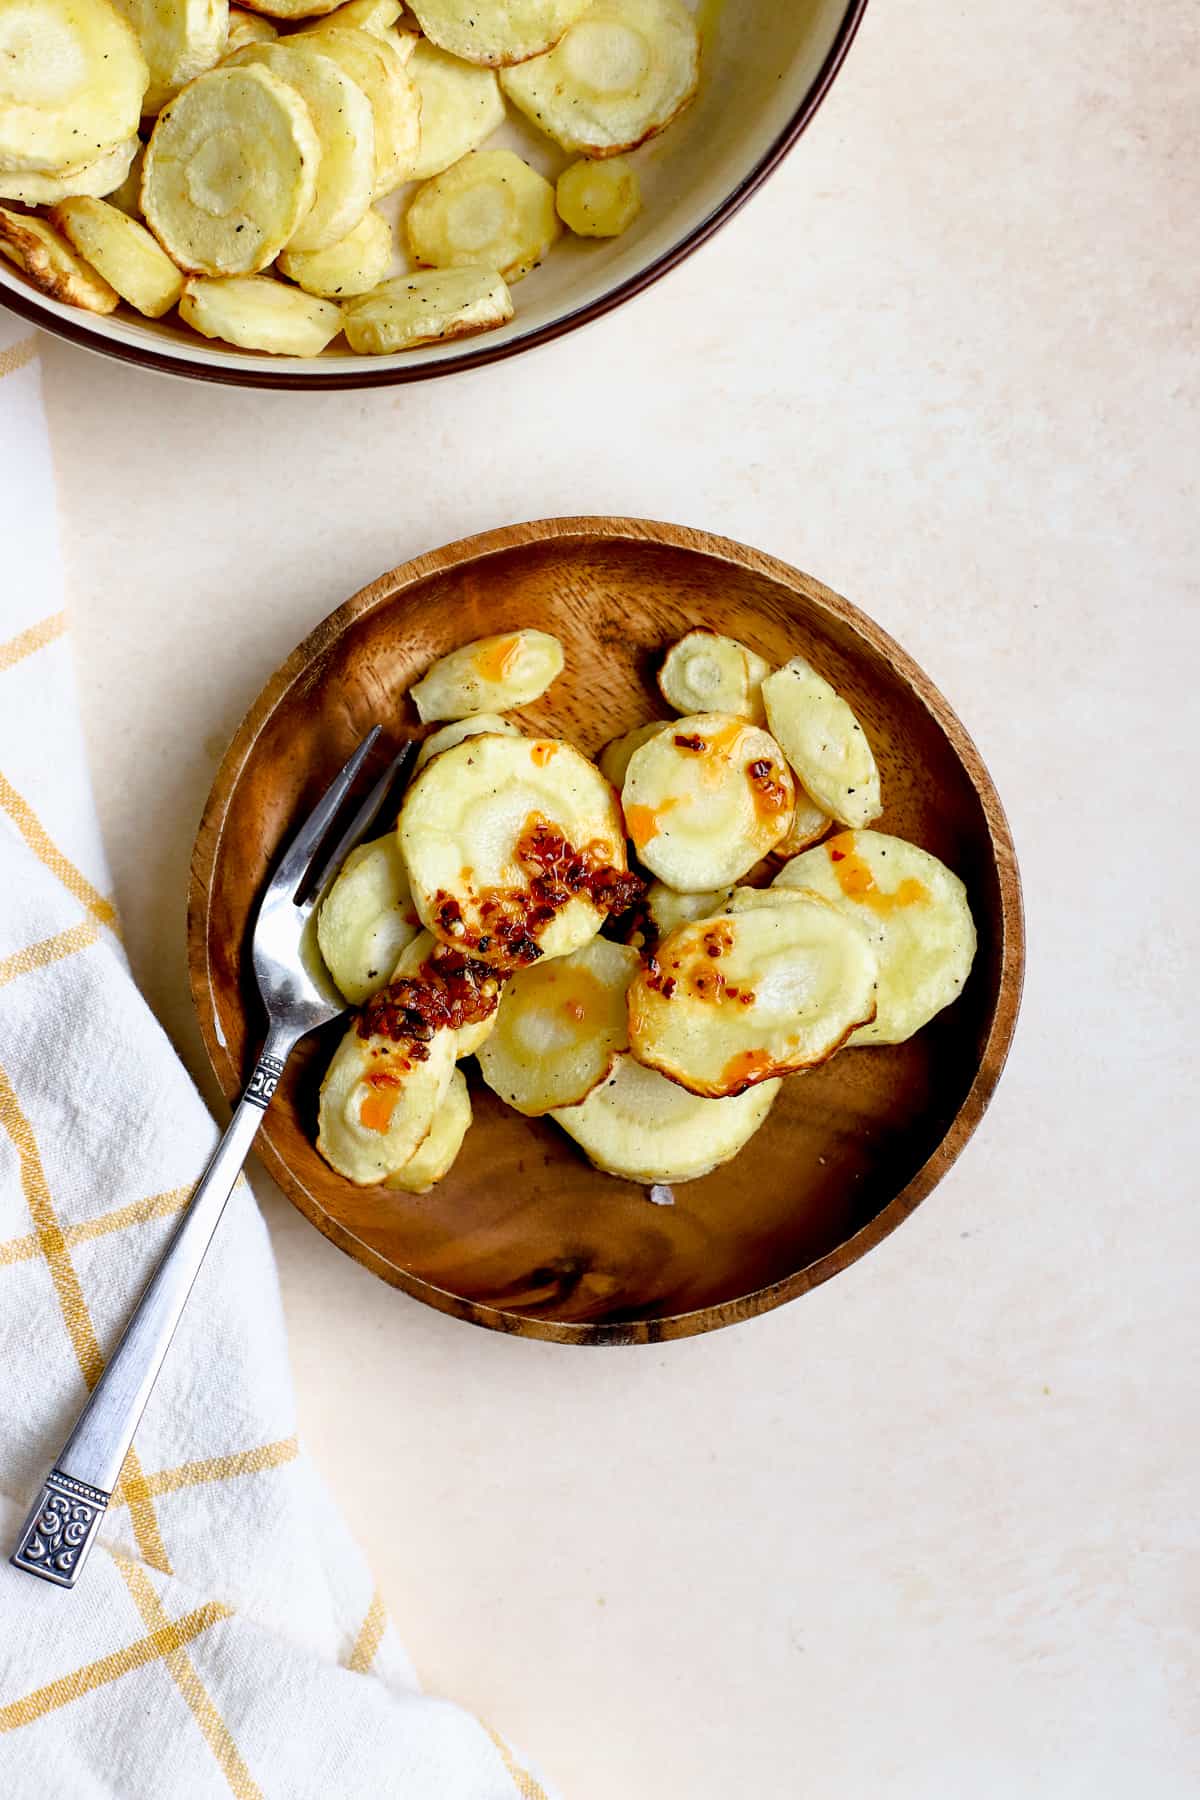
[(67, 1514)]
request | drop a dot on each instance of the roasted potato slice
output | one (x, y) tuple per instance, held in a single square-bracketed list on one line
[(51, 264), (256, 313), (428, 307), (913, 909), (35, 188), (492, 674), (514, 847), (824, 743), (447, 736), (666, 907), (705, 672), (435, 1157), (72, 77), (291, 9), (128, 196), (706, 799), (461, 106), (601, 200), (641, 1127), (809, 825), (247, 28), (354, 265), (615, 757), (123, 252), (367, 918), (375, 16), (230, 172), (730, 1001), (436, 964), (620, 75), (379, 1100), (180, 39), (345, 127), (489, 210), (374, 64), (495, 32), (560, 1028)]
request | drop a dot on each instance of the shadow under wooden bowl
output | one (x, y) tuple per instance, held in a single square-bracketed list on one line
[(523, 1235)]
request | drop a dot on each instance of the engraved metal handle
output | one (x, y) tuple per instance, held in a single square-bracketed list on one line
[(65, 1518)]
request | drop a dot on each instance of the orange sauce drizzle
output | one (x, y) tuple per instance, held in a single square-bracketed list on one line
[(744, 1069), (495, 658), (542, 751), (376, 1111), (642, 821), (857, 882)]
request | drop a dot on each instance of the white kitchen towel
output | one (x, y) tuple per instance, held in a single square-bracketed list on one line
[(226, 1635)]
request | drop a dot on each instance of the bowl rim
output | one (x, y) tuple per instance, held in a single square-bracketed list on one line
[(390, 588), (26, 303)]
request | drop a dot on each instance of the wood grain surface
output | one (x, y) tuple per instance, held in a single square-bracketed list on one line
[(523, 1236)]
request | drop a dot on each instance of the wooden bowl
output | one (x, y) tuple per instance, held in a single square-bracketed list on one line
[(523, 1235)]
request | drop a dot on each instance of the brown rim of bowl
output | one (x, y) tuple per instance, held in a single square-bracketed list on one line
[(166, 364), (993, 1055)]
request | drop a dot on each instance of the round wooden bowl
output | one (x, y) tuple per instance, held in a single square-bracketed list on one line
[(523, 1235)]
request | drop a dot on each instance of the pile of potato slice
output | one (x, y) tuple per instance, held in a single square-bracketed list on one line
[(653, 1018), (227, 162)]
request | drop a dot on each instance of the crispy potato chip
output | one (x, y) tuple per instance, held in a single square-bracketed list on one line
[(72, 79), (51, 264), (560, 1028), (666, 907), (123, 252), (447, 736), (180, 39), (824, 742), (705, 672), (375, 16), (489, 210), (492, 674), (461, 106), (107, 173), (615, 757), (809, 825), (428, 307), (379, 1101), (495, 32), (601, 200), (354, 265), (434, 1159), (367, 918), (247, 28), (374, 64), (256, 313)]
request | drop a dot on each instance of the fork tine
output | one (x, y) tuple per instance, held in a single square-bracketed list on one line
[(307, 841), (363, 819)]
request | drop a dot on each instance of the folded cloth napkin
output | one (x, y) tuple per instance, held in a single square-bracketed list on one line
[(225, 1635)]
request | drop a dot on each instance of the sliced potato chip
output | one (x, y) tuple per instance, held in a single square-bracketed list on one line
[(180, 39), (379, 1100), (466, 992), (72, 79), (560, 1028), (428, 307), (367, 918), (707, 799), (123, 252), (824, 742), (230, 172), (601, 200), (642, 1127), (435, 1157), (107, 173), (256, 313), (51, 264), (128, 196), (913, 909), (809, 825), (446, 736), (291, 9), (618, 76), (492, 674), (666, 907), (733, 1000), (354, 265), (247, 28), (376, 16), (496, 31), (614, 759), (515, 848), (705, 672), (461, 106), (345, 128), (375, 64), (489, 210)]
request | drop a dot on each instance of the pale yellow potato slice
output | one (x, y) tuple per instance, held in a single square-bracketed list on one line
[(620, 75), (345, 127), (705, 672), (706, 799), (461, 106), (375, 64), (429, 961), (641, 1127), (514, 847), (51, 263), (288, 10), (560, 1028), (809, 824), (367, 918), (379, 1100), (434, 1159), (615, 757), (256, 313), (492, 674), (430, 306), (666, 907), (824, 743), (72, 77), (247, 28), (376, 16), (913, 909), (230, 172), (123, 252), (733, 1000), (129, 195), (495, 32), (180, 39), (107, 173), (489, 210), (601, 200), (354, 265), (446, 736)]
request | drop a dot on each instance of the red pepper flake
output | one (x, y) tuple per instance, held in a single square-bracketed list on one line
[(690, 740)]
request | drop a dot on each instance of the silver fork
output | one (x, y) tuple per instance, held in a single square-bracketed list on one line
[(299, 997)]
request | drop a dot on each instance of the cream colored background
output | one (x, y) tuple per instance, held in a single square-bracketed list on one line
[(930, 1531)]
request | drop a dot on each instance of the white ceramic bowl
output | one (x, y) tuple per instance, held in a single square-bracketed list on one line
[(767, 67)]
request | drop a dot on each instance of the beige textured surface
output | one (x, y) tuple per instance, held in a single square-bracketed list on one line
[(930, 1531)]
